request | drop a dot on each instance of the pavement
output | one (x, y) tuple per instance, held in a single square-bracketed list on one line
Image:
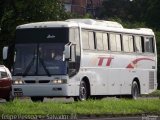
[(2, 100), (66, 100)]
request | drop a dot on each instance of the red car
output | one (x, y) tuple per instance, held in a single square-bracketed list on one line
[(5, 83)]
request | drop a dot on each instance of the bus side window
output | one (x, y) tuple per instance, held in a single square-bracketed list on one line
[(138, 45), (112, 41), (118, 42), (105, 41), (85, 40), (128, 43), (99, 40), (76, 36), (91, 41), (149, 45), (72, 35), (115, 42)]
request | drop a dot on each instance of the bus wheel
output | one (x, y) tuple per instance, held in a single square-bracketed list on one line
[(135, 90), (83, 92), (37, 99)]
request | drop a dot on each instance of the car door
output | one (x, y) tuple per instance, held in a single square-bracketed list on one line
[(5, 84)]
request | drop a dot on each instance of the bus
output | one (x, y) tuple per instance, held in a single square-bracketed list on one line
[(81, 58)]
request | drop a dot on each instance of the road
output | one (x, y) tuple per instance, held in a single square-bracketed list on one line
[(46, 99), (72, 100)]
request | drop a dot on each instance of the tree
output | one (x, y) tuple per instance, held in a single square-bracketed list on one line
[(21, 11), (143, 11), (115, 9), (16, 12), (153, 14)]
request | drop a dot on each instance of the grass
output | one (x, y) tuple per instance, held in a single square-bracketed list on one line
[(153, 94), (113, 107), (106, 107)]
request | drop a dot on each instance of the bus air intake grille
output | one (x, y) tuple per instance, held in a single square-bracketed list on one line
[(44, 81), (151, 80), (30, 81)]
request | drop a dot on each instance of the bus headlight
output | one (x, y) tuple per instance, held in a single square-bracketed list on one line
[(18, 82), (59, 81)]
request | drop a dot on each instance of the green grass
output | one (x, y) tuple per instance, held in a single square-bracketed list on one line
[(154, 94), (113, 107)]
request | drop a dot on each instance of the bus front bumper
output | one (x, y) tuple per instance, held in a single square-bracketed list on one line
[(42, 90)]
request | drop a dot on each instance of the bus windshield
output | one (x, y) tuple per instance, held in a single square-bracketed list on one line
[(39, 51), (39, 59)]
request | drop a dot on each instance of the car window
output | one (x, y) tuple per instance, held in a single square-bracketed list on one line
[(3, 75)]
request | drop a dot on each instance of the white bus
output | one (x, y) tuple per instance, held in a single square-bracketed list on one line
[(82, 58)]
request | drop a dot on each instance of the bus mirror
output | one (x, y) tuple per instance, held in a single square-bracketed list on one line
[(67, 51), (5, 52)]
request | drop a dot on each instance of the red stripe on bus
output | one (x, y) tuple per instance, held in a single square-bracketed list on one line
[(134, 62)]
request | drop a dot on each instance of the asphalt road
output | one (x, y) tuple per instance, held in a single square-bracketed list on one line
[(72, 100), (46, 99), (2, 100)]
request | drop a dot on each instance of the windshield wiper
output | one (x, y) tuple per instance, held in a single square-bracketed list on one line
[(31, 63), (29, 66), (44, 66)]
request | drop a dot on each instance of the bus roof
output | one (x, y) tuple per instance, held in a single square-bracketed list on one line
[(88, 24)]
